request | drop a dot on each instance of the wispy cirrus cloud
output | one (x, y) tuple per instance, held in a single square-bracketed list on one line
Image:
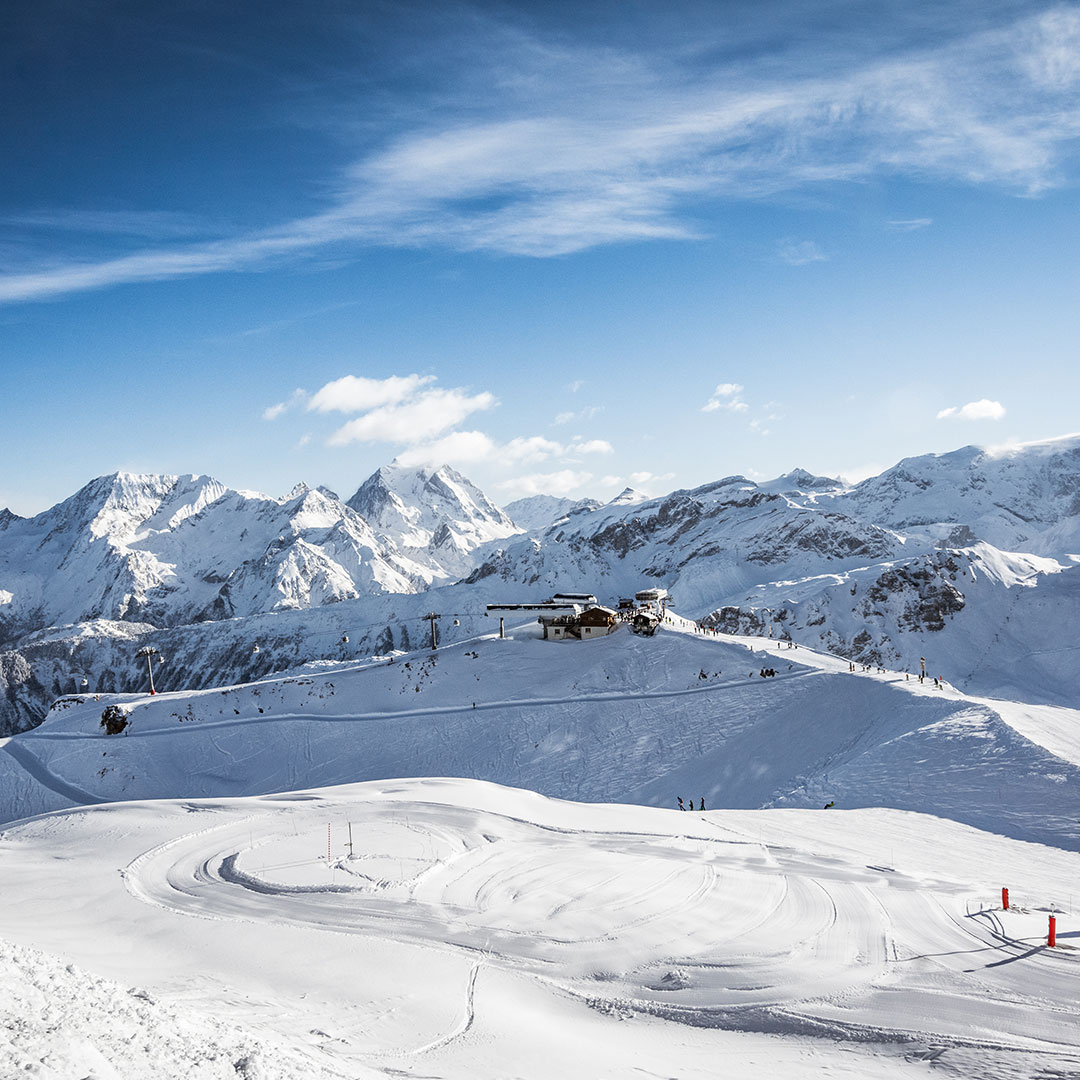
[(910, 224), (296, 398), (574, 416), (149, 224), (582, 147), (799, 252)]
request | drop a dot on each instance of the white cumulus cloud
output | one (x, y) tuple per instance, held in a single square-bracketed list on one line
[(415, 421), (459, 447), (529, 448), (726, 396), (593, 446), (983, 409), (355, 393)]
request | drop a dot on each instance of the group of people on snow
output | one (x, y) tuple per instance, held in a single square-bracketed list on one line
[(691, 806)]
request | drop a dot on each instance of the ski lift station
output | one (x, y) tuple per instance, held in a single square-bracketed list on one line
[(657, 598), (578, 616), (561, 604)]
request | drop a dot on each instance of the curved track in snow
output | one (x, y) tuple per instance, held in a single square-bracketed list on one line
[(719, 931)]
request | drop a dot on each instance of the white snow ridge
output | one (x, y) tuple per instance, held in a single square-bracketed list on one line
[(327, 849)]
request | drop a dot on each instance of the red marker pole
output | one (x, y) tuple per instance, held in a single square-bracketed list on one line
[(1004, 899), (1051, 937)]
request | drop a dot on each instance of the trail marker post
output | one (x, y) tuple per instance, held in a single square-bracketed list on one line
[(1051, 935), (1004, 899)]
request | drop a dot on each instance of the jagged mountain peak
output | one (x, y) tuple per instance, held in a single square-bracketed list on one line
[(435, 515), (297, 491), (121, 505), (395, 491), (628, 497)]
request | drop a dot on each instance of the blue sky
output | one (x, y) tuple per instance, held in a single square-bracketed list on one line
[(565, 247)]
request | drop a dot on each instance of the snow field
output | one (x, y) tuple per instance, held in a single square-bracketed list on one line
[(61, 1021), (468, 917), (472, 930)]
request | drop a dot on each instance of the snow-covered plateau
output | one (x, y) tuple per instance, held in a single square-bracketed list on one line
[(327, 849)]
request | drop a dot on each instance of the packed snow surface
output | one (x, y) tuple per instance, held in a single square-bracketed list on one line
[(235, 916), (454, 928)]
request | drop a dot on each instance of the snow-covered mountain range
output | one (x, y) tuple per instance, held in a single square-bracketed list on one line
[(868, 940), (969, 558)]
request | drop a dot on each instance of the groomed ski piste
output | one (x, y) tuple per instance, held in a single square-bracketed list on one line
[(214, 894)]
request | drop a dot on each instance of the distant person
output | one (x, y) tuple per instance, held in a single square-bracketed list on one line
[(828, 806), (681, 807), (702, 806)]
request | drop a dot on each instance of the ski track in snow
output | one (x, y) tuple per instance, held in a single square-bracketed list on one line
[(436, 710), (45, 776), (877, 932), (715, 932)]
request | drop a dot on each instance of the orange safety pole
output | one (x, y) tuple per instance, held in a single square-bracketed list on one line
[(1051, 937), (1004, 899)]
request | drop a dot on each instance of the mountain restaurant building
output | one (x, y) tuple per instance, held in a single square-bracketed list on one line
[(596, 621)]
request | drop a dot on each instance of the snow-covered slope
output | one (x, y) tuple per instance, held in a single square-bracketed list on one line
[(207, 908), (623, 719), (536, 513), (1024, 498), (463, 930)]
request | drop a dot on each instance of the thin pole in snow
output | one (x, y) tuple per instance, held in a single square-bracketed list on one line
[(350, 839), (328, 843)]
